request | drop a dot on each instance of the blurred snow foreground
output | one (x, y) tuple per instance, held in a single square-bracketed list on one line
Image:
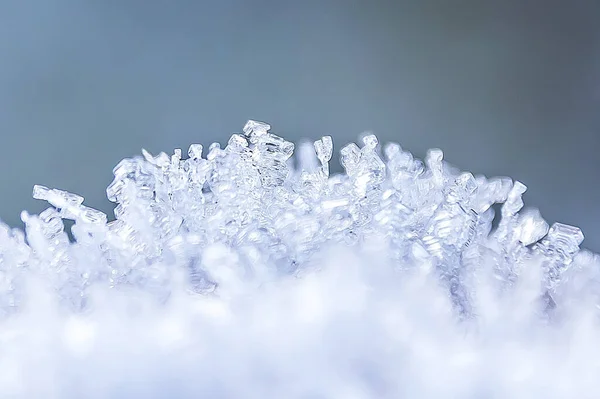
[(250, 274)]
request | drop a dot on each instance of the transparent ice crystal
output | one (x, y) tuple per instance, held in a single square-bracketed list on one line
[(276, 215), (245, 271)]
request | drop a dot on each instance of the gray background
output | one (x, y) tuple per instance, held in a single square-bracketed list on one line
[(504, 88)]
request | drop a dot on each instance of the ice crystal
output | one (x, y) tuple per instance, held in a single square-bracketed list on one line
[(249, 198), (248, 216)]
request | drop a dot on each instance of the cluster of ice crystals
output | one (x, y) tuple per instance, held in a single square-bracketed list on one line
[(274, 215), (246, 272)]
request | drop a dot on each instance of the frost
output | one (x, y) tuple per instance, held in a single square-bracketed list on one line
[(246, 274)]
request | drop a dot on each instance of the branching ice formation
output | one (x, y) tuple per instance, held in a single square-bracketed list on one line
[(253, 257)]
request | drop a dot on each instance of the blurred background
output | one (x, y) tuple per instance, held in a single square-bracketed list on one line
[(504, 88)]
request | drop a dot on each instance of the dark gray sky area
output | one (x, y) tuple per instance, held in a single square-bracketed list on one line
[(504, 88)]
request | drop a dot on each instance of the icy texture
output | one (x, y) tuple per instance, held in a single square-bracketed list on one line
[(386, 280)]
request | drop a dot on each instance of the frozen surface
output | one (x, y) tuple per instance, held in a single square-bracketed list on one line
[(251, 273)]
